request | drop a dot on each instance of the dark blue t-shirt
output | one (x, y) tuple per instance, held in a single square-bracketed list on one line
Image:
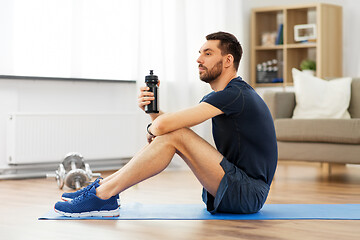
[(245, 133)]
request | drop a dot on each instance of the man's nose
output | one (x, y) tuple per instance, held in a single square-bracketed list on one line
[(199, 60)]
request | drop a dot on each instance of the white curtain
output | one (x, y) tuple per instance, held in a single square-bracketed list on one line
[(351, 46)]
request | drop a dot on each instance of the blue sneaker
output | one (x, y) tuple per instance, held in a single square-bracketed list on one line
[(89, 205), (71, 195)]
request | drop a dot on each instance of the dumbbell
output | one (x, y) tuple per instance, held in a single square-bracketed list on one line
[(73, 172)]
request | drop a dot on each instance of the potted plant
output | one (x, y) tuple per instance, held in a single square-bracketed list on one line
[(308, 67)]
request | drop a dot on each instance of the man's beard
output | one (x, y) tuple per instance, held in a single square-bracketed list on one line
[(209, 76)]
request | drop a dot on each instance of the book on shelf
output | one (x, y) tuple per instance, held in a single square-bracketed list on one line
[(279, 37)]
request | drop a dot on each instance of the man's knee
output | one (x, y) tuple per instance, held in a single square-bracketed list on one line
[(176, 137)]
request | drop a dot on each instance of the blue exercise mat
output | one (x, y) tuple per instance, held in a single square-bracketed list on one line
[(138, 211)]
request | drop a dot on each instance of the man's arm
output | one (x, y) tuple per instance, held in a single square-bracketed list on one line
[(153, 116), (189, 117)]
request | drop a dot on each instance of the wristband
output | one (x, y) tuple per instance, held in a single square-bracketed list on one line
[(148, 131)]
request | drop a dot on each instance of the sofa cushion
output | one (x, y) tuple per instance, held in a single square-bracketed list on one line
[(318, 98), (345, 131)]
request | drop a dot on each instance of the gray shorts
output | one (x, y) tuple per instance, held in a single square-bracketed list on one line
[(237, 192)]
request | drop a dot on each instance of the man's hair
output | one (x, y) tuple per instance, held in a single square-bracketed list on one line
[(228, 45)]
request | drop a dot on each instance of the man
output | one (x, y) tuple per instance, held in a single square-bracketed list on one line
[(236, 175)]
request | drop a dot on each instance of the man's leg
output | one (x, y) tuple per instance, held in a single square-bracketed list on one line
[(202, 158)]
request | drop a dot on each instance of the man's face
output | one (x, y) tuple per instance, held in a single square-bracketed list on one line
[(210, 61)]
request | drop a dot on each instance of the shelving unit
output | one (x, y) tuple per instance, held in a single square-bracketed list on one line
[(326, 50)]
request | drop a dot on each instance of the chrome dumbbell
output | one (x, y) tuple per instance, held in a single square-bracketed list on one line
[(73, 172)]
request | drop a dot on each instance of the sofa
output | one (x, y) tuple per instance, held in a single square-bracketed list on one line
[(316, 140)]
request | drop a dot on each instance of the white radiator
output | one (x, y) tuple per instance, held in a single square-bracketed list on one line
[(40, 138)]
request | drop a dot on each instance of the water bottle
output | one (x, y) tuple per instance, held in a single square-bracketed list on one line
[(152, 81)]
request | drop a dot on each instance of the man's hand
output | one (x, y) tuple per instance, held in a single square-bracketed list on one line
[(145, 97), (149, 138)]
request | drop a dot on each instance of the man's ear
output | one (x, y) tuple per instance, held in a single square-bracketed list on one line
[(229, 60)]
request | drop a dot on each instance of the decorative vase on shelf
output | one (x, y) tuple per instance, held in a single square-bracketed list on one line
[(308, 67), (309, 72)]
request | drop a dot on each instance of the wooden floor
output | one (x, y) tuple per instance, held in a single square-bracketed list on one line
[(23, 201)]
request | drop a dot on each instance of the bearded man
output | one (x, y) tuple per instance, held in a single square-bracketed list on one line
[(236, 175)]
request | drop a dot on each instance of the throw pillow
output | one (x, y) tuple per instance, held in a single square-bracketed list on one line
[(318, 98)]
